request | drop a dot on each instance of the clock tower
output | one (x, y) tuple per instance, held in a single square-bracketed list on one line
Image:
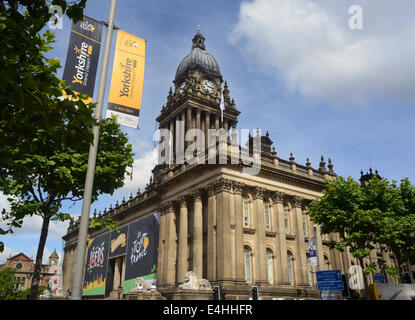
[(195, 101)]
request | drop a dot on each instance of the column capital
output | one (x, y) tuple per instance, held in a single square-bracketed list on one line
[(223, 185), (258, 193), (237, 187), (278, 197), (167, 206), (297, 201), (196, 195), (181, 201), (210, 188)]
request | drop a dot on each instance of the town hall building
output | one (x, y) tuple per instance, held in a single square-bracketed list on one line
[(236, 230)]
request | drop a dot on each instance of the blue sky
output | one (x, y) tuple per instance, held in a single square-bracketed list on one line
[(294, 68)]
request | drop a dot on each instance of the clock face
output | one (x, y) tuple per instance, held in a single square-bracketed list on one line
[(181, 87), (208, 86)]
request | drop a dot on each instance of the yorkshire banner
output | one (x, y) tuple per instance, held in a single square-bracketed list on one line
[(142, 250), (83, 55), (127, 79)]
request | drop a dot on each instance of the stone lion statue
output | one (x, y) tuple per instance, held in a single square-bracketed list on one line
[(144, 284), (191, 282)]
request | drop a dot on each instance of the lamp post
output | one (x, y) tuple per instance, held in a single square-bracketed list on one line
[(92, 157)]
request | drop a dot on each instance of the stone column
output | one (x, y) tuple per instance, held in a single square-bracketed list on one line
[(198, 118), (319, 247), (117, 273), (301, 265), (171, 149), (223, 188), (282, 258), (217, 122), (239, 233), (197, 235), (260, 261), (207, 124), (161, 247), (188, 126), (169, 258), (211, 234), (182, 259), (179, 143), (337, 253)]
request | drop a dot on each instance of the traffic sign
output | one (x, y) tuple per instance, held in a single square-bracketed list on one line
[(328, 275), (329, 280), (331, 295), (379, 278), (330, 285)]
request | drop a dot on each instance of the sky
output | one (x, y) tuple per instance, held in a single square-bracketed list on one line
[(296, 68)]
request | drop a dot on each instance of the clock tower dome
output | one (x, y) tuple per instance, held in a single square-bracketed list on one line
[(196, 98)]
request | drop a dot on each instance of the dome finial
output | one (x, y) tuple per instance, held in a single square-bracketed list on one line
[(198, 40)]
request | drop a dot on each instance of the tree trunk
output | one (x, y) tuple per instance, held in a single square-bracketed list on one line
[(364, 280), (38, 264)]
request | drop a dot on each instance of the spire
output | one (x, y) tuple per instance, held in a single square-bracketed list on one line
[(198, 40), (322, 166), (330, 166)]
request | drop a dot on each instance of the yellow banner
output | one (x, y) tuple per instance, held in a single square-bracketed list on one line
[(127, 79)]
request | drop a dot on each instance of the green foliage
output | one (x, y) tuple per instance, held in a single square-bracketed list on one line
[(44, 138), (9, 284), (377, 213)]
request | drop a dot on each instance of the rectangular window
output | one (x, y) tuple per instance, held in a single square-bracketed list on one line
[(267, 216), (246, 214), (305, 225)]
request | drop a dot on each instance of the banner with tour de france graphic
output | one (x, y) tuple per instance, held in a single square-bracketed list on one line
[(118, 245), (142, 247), (83, 55), (127, 79), (96, 266)]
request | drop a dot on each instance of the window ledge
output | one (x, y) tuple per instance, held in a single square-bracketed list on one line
[(270, 233), (249, 230)]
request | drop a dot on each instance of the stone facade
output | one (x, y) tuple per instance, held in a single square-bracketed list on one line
[(234, 229)]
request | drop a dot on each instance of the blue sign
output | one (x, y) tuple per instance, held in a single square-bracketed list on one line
[(379, 278), (329, 280), (328, 275), (334, 285)]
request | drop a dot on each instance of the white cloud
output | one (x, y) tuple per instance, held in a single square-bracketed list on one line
[(4, 204), (7, 253), (142, 167), (310, 48)]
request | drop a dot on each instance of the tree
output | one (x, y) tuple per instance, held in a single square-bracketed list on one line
[(378, 212), (44, 139), (30, 103), (339, 211), (38, 182), (9, 286), (397, 230)]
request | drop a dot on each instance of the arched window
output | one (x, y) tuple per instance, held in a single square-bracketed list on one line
[(248, 263), (305, 224), (287, 219), (290, 267), (267, 215), (246, 211), (327, 263), (270, 266)]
